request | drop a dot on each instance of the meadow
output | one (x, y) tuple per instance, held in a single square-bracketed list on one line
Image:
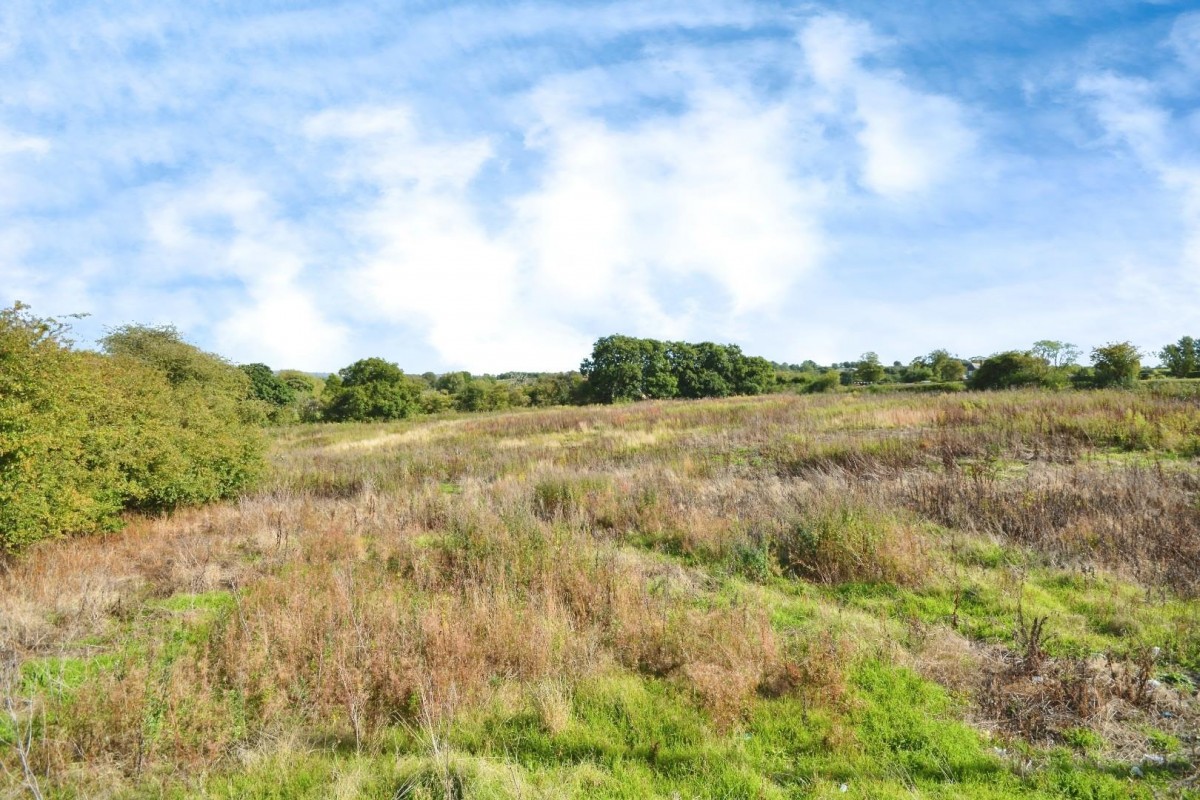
[(984, 595)]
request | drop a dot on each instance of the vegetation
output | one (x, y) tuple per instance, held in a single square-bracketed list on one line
[(622, 368), (985, 595), (1117, 364), (1181, 359), (152, 424), (1013, 369)]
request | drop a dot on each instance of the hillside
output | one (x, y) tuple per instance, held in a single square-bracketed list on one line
[(967, 595)]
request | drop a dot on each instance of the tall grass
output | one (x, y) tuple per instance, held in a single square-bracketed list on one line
[(392, 583)]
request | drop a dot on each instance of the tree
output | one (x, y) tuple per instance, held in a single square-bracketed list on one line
[(1116, 364), (302, 383), (752, 375), (614, 370), (267, 386), (1010, 369), (1055, 353), (946, 367), (558, 389), (371, 389), (868, 369), (1181, 359)]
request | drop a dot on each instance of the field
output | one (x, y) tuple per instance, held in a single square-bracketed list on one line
[(866, 596)]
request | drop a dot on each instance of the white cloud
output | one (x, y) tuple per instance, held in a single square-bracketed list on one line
[(711, 192), (1185, 40), (12, 144), (228, 228), (1133, 117), (911, 140), (616, 216)]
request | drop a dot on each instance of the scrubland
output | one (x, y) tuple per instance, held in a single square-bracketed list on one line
[(969, 595)]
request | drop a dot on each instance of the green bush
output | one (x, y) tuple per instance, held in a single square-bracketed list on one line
[(154, 424), (371, 389)]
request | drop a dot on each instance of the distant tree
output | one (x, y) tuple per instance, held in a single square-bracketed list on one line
[(1182, 358), (1010, 369), (626, 368), (946, 367), (434, 402), (558, 389), (825, 382), (752, 374), (1056, 354), (267, 386), (371, 389), (614, 370), (302, 383), (868, 369), (452, 382), (916, 372), (1116, 364)]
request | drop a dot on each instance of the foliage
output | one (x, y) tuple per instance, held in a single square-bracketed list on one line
[(1055, 353), (154, 424), (1181, 358), (1009, 370), (946, 367), (268, 387), (868, 369), (624, 368), (371, 389), (1116, 364), (557, 389), (302, 383)]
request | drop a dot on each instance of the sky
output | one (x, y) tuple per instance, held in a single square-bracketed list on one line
[(492, 186)]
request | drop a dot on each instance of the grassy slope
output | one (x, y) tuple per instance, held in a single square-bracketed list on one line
[(771, 597)]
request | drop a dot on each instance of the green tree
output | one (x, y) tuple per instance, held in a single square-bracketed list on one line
[(616, 369), (1181, 358), (558, 389), (752, 374), (945, 366), (269, 387), (1055, 353), (1009, 370), (302, 383), (371, 389), (1116, 364), (868, 369)]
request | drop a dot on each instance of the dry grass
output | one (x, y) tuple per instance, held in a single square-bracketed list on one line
[(403, 578)]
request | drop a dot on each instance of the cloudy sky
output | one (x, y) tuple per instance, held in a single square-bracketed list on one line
[(492, 186)]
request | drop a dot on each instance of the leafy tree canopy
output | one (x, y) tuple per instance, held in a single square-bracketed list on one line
[(1010, 369), (371, 389), (1116, 364), (1182, 358)]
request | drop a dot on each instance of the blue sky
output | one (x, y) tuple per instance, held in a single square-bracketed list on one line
[(492, 186)]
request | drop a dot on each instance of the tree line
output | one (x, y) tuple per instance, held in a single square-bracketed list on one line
[(149, 422)]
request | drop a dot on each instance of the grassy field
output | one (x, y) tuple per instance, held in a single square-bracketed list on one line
[(877, 596)]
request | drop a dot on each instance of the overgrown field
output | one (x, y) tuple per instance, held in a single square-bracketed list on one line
[(870, 596)]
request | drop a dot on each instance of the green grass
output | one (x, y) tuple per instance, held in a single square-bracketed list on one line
[(790, 508)]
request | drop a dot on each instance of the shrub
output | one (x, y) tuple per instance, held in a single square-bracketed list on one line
[(155, 424), (1116, 364), (1009, 370)]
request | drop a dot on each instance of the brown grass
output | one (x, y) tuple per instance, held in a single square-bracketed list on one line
[(422, 570)]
